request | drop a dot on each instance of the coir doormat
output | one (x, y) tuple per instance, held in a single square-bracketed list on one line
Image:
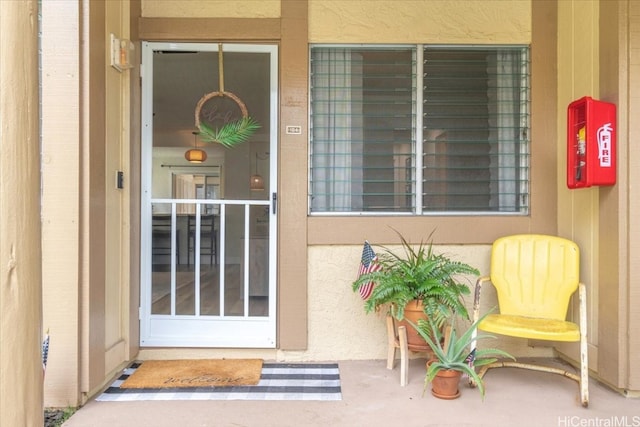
[(195, 373), (278, 381)]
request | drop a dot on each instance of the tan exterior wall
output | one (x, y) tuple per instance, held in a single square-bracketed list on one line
[(578, 210), (402, 21), (292, 326), (211, 9), (338, 325), (629, 18), (131, 164), (117, 201), (619, 231), (594, 40), (86, 126), (99, 227), (21, 331), (61, 198)]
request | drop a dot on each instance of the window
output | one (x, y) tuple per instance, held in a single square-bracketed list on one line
[(468, 107)]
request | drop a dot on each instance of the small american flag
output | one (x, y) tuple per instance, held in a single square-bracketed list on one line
[(368, 264), (471, 358), (45, 352)]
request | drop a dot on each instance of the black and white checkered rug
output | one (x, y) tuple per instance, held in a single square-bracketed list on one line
[(278, 381)]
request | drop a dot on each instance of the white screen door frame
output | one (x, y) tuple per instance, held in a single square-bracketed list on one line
[(239, 250)]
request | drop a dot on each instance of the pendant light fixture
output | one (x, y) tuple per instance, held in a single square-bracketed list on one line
[(256, 182), (195, 155)]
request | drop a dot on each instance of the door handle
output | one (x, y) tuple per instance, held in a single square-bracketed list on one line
[(274, 202)]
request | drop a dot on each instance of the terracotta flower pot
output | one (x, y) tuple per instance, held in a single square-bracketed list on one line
[(413, 312), (445, 384)]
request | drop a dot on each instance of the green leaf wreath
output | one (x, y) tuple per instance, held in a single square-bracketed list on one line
[(231, 134)]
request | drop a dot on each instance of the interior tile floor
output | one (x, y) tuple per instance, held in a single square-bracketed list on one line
[(372, 396)]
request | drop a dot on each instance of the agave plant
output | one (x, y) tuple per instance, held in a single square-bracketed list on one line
[(455, 352), (418, 274), (231, 134)]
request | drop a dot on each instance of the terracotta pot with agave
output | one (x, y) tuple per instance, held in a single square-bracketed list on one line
[(453, 356), (417, 284)]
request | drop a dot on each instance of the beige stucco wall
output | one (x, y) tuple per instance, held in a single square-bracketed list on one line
[(439, 21), (21, 330), (211, 9), (421, 21), (340, 329)]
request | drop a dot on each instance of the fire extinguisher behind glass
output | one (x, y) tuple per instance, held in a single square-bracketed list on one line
[(591, 143)]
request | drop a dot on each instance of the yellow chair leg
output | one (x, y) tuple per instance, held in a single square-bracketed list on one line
[(580, 379), (583, 378), (529, 366), (584, 349)]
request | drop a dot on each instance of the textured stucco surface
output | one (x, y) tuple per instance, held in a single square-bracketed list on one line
[(420, 21), (359, 21), (340, 329), (211, 9)]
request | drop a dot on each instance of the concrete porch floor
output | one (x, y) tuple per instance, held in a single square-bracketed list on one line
[(372, 396)]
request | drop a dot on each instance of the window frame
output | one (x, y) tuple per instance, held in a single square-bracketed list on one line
[(463, 228), (417, 205)]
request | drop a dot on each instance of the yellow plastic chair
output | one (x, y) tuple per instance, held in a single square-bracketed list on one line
[(535, 277)]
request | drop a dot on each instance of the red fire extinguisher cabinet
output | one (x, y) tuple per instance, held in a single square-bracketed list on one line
[(591, 143)]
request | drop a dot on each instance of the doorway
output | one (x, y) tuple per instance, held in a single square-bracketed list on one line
[(208, 214)]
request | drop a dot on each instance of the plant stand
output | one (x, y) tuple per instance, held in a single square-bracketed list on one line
[(398, 341)]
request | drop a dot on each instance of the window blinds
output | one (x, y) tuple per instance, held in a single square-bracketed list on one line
[(476, 121), (362, 115), (467, 106)]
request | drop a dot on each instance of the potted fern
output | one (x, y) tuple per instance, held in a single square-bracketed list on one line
[(455, 355), (418, 283)]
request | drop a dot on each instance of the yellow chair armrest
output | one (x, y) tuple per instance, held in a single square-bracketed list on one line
[(476, 296)]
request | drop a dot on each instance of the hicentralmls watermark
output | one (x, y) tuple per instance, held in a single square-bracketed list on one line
[(612, 421)]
